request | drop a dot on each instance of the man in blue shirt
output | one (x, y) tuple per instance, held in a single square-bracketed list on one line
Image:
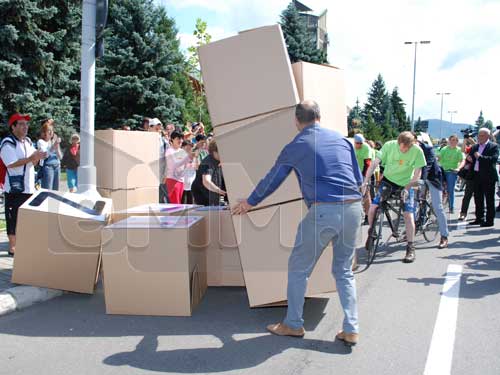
[(329, 177)]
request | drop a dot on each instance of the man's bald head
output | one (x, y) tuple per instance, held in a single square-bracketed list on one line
[(307, 112)]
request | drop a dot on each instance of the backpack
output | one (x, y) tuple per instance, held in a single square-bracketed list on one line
[(10, 139)]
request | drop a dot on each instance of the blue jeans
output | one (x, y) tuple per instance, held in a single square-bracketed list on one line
[(437, 205), (325, 223), (451, 180), (50, 176), (72, 176)]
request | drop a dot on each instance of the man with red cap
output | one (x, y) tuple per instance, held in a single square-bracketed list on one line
[(20, 157)]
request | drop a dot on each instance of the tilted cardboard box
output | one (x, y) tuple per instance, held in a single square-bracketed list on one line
[(154, 209), (325, 85), (59, 241), (266, 238), (126, 159), (247, 75), (160, 261), (249, 151), (125, 199), (223, 258)]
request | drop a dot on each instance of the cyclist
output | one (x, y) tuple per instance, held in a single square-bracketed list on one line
[(433, 178), (403, 161), (364, 157)]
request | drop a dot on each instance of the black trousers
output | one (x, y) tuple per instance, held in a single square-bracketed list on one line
[(12, 204), (468, 194), (484, 190), (187, 197)]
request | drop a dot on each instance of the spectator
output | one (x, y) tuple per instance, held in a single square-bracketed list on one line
[(468, 176), (71, 161), (364, 157), (177, 159), (189, 174), (145, 124), (483, 157), (208, 186), (50, 143), (20, 156), (125, 127), (452, 160), (201, 147), (188, 136)]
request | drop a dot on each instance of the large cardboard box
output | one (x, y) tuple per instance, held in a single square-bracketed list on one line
[(266, 238), (223, 258), (126, 160), (154, 209), (324, 84), (59, 241), (124, 199), (248, 151), (154, 265), (247, 75)]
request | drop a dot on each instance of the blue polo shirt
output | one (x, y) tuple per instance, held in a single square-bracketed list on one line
[(325, 164)]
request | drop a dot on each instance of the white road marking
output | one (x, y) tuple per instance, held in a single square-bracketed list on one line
[(439, 359)]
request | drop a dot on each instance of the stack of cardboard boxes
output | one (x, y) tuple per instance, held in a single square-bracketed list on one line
[(252, 93), (128, 167)]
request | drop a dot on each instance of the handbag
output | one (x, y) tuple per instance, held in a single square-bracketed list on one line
[(17, 182), (466, 172)]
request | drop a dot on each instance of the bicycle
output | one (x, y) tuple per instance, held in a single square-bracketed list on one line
[(391, 202)]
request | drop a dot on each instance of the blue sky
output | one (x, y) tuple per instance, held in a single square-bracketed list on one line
[(367, 39)]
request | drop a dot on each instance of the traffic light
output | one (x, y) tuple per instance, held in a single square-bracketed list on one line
[(101, 20)]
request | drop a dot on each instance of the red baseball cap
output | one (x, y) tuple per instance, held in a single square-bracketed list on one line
[(17, 116)]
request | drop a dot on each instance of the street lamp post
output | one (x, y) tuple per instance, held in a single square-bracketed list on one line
[(414, 79), (441, 118), (451, 115)]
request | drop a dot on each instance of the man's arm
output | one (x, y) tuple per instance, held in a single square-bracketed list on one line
[(490, 158), (9, 157), (369, 173), (414, 180)]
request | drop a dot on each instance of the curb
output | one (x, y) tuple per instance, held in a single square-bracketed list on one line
[(20, 297)]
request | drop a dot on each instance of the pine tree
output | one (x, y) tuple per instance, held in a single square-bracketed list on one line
[(480, 120), (421, 126), (39, 63), (142, 60), (300, 45), (378, 102), (489, 124), (354, 120), (371, 130), (398, 111), (389, 130)]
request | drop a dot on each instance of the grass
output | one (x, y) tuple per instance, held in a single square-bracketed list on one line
[(3, 226), (64, 176)]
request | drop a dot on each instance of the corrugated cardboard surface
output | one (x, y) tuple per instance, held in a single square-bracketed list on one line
[(324, 84), (249, 152), (126, 159), (58, 247), (266, 238), (247, 75), (154, 269), (125, 199), (223, 259)]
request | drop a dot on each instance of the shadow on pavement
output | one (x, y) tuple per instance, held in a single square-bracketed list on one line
[(233, 355)]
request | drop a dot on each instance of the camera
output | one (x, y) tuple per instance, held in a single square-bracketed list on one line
[(194, 125), (498, 127)]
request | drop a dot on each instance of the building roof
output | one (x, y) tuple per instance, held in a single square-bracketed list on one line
[(301, 7)]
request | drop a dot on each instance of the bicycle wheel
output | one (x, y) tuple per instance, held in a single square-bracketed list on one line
[(430, 227), (373, 238)]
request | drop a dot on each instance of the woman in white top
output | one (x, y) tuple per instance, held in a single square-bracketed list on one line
[(50, 143), (177, 159), (189, 174)]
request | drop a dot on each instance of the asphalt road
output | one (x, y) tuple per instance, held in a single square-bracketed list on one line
[(398, 304)]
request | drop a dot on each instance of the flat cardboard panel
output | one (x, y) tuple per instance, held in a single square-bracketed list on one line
[(324, 84), (248, 153), (247, 75), (266, 238), (223, 259), (126, 160), (125, 199), (58, 246), (164, 269)]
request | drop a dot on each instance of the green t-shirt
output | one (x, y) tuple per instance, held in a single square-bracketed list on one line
[(450, 158), (399, 166), (365, 152)]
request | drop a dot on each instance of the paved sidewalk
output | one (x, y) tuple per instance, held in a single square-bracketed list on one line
[(6, 263)]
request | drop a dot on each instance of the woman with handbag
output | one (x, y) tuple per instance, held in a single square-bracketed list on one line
[(20, 157)]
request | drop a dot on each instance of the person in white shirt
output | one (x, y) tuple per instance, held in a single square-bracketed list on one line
[(50, 143), (20, 157), (189, 174), (177, 159)]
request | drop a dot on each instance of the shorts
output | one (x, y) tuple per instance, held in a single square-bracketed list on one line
[(409, 203), (12, 204)]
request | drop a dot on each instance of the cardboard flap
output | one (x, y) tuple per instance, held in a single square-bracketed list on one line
[(156, 222)]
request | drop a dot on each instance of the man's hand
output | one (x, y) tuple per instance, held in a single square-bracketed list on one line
[(469, 159), (241, 208), (37, 156), (364, 188), (477, 155)]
